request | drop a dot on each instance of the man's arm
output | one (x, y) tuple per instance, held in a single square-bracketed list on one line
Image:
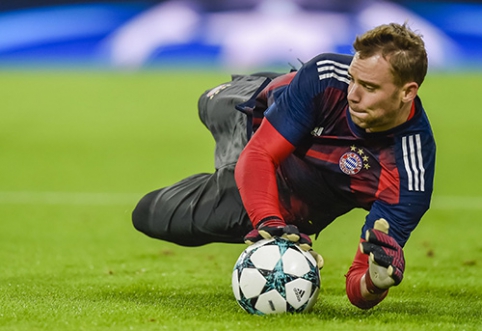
[(255, 176), (378, 265), (356, 288), (255, 173)]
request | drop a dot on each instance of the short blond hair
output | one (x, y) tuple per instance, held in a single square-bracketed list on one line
[(400, 46)]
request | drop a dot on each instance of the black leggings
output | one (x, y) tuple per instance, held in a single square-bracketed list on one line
[(198, 210)]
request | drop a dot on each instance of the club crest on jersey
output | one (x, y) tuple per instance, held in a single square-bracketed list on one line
[(354, 161), (216, 90)]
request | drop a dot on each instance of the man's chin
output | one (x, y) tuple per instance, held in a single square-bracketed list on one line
[(359, 122)]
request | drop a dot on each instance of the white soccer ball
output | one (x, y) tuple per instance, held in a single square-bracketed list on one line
[(275, 276)]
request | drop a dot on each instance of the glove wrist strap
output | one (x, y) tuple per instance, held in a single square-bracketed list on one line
[(270, 221), (370, 286)]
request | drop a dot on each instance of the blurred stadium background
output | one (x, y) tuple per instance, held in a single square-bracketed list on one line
[(80, 146), (224, 33)]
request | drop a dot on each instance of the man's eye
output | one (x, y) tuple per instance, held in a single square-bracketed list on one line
[(369, 87)]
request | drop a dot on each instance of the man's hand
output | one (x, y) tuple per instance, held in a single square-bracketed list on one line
[(278, 228), (386, 263)]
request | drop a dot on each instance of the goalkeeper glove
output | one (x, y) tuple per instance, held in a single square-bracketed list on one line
[(386, 262), (278, 228)]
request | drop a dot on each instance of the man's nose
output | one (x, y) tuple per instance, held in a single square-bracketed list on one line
[(353, 95)]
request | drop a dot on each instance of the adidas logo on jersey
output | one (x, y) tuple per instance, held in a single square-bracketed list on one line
[(317, 131)]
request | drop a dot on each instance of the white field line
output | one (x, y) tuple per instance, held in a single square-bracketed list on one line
[(69, 198), (112, 199)]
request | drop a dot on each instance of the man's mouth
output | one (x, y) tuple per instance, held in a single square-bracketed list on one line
[(357, 111)]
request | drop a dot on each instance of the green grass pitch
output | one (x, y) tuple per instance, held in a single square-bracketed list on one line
[(78, 149)]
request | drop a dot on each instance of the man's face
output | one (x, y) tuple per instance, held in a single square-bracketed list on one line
[(375, 102)]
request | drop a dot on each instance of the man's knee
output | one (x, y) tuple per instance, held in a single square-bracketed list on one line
[(200, 209), (146, 218), (142, 213)]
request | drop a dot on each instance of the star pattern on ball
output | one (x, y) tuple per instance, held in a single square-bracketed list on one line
[(276, 279)]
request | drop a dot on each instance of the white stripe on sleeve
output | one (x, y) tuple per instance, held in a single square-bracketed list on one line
[(413, 161)]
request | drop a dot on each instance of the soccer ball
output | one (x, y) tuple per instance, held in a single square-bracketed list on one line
[(275, 276)]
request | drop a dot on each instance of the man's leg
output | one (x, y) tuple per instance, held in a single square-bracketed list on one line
[(200, 209), (206, 208), (216, 108)]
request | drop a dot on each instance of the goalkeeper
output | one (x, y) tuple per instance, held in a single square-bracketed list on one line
[(296, 151)]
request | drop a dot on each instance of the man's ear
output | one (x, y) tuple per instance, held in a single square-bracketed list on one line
[(409, 91)]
